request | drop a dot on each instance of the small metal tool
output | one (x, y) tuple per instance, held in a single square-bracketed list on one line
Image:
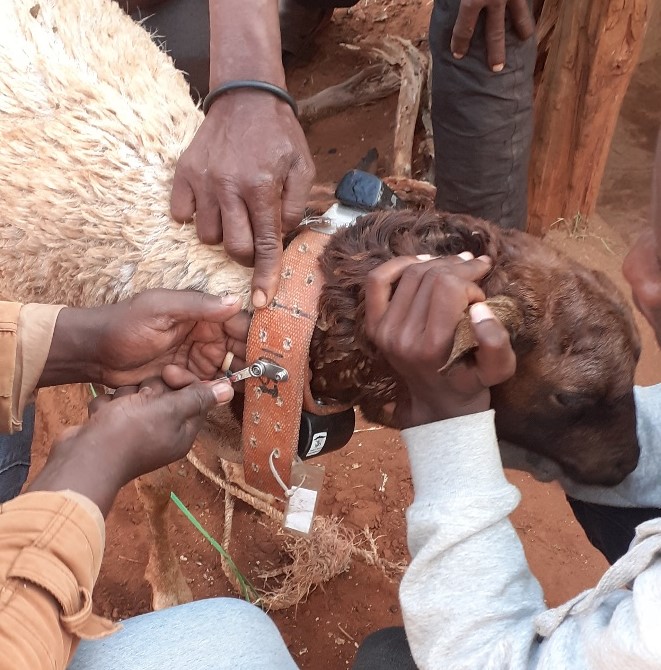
[(260, 368)]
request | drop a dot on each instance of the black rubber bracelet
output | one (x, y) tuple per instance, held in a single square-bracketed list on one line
[(249, 83)]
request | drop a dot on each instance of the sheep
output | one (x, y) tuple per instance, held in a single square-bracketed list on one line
[(571, 399), (93, 117)]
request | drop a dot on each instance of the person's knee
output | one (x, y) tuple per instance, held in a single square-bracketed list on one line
[(233, 612), (235, 609), (240, 621), (181, 27), (217, 633)]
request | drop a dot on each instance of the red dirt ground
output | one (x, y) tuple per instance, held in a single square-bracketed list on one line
[(334, 619)]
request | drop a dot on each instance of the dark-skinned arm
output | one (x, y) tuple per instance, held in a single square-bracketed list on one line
[(642, 266), (132, 340), (116, 345), (248, 171), (52, 537)]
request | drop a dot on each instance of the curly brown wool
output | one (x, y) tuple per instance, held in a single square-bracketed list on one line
[(576, 335)]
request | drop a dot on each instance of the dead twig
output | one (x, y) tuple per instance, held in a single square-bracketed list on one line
[(413, 68), (373, 83)]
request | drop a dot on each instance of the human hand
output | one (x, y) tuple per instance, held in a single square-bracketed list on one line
[(642, 265), (642, 269), (136, 431), (125, 343), (414, 328), (246, 176), (469, 12)]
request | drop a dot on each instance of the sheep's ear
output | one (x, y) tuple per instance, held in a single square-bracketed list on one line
[(507, 311)]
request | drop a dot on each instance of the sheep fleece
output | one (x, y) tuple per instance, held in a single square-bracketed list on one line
[(93, 117)]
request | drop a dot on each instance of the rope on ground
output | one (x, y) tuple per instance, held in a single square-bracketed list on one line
[(259, 504), (315, 559)]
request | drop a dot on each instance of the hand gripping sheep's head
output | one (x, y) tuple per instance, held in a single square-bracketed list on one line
[(571, 399)]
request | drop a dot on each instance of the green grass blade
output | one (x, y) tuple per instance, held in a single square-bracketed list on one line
[(248, 591)]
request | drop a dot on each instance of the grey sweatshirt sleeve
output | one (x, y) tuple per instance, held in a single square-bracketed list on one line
[(468, 598)]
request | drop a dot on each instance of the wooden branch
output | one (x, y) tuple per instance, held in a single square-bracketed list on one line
[(594, 49), (413, 64), (546, 23), (426, 147), (373, 83), (413, 192), (322, 196)]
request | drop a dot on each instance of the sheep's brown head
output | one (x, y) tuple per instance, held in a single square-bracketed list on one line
[(571, 399)]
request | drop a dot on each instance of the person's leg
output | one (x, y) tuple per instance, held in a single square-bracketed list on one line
[(387, 648), (15, 453), (181, 27), (213, 634), (482, 123), (610, 529), (301, 20)]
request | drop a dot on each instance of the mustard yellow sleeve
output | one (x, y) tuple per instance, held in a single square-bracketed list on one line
[(26, 333), (51, 545), (9, 312)]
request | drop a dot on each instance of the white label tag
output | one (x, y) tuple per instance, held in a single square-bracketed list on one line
[(306, 480), (318, 442), (300, 510)]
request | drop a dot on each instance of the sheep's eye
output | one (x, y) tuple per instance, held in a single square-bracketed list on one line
[(574, 400)]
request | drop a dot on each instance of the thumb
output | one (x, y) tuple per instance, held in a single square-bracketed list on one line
[(97, 403), (197, 306), (198, 399), (494, 358), (268, 260)]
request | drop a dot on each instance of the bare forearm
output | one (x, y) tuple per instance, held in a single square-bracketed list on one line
[(71, 358), (93, 472), (245, 41)]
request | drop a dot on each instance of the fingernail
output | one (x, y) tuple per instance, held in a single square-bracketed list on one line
[(222, 389), (259, 299), (485, 259), (457, 55), (498, 67), (229, 299), (424, 257), (480, 311), (466, 256)]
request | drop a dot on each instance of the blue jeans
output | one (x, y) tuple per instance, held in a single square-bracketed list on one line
[(213, 634), (15, 457)]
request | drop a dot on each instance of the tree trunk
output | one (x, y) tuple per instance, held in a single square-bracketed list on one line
[(593, 52)]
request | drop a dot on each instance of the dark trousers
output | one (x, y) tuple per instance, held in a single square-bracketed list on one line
[(182, 29), (482, 123), (611, 529)]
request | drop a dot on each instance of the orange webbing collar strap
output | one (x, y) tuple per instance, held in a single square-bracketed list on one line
[(282, 333)]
